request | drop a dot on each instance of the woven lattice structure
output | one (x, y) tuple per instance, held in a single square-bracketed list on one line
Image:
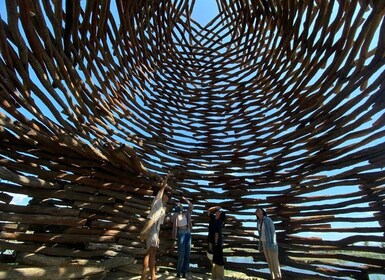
[(278, 104)]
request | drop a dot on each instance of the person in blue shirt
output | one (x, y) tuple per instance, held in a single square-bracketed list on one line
[(268, 242)]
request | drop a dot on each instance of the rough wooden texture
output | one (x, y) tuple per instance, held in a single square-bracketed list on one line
[(278, 104)]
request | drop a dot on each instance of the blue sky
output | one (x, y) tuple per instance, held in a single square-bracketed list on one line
[(204, 11)]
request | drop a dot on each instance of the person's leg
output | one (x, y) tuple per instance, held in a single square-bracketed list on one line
[(221, 272), (268, 260), (267, 257), (187, 246), (214, 272), (218, 260), (274, 263), (152, 257), (181, 252), (218, 255), (145, 265), (221, 265)]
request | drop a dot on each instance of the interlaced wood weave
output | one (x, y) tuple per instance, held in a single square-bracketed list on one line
[(273, 103)]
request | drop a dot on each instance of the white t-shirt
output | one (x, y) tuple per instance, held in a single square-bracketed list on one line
[(182, 220), (262, 232)]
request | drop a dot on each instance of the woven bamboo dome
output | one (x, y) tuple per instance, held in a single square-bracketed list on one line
[(278, 104)]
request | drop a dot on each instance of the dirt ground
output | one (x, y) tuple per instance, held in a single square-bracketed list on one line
[(166, 275)]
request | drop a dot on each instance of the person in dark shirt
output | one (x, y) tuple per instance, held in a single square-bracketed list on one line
[(215, 240)]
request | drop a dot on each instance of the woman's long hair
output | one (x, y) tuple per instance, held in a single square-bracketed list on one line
[(263, 211)]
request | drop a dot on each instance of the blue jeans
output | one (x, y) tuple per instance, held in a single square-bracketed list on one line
[(184, 248)]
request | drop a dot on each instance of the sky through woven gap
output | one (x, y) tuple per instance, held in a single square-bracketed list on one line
[(204, 12)]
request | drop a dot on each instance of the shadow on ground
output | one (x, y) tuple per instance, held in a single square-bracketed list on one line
[(166, 275)]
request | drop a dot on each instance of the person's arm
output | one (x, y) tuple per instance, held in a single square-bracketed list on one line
[(213, 209), (174, 225), (271, 231), (218, 233), (190, 205), (164, 184), (151, 221), (216, 237)]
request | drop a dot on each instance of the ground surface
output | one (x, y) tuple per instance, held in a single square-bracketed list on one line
[(169, 275)]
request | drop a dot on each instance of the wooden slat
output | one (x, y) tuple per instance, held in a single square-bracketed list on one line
[(274, 104)]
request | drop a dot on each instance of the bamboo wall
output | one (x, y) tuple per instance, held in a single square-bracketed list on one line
[(278, 104)]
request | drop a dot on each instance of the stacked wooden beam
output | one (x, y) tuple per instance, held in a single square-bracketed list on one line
[(278, 104)]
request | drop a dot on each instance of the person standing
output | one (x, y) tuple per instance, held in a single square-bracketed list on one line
[(268, 242), (181, 231), (215, 240), (150, 231)]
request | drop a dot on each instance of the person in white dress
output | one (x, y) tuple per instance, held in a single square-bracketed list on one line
[(150, 231)]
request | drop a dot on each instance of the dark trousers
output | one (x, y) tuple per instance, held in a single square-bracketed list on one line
[(218, 255)]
